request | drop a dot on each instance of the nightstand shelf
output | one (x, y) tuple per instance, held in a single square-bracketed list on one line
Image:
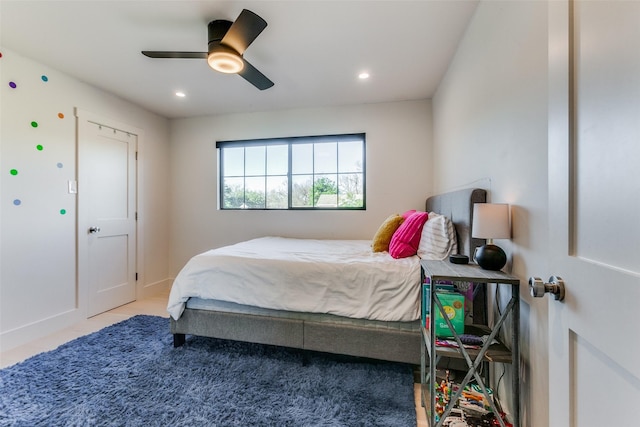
[(497, 353), (443, 271)]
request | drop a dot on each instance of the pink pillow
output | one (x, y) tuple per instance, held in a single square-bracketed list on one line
[(407, 214), (405, 241)]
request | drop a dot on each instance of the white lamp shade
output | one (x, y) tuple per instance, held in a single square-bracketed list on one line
[(491, 221)]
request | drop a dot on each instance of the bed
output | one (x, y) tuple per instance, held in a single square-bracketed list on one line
[(353, 321)]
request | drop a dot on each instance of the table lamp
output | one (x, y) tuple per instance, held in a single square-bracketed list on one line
[(490, 221)]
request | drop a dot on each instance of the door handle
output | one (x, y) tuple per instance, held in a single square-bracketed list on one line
[(94, 230), (555, 286)]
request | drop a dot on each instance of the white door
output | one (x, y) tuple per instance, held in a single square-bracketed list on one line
[(107, 213), (594, 205)]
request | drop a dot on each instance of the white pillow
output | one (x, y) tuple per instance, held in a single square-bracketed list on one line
[(438, 239)]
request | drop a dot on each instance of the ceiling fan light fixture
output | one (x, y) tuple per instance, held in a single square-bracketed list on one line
[(225, 60), (227, 42)]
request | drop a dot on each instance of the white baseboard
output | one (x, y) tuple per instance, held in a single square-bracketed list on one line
[(152, 289), (47, 326), (39, 329)]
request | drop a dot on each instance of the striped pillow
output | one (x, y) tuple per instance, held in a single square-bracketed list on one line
[(438, 239)]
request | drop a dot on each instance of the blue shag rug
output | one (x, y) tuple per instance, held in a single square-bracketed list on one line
[(129, 374)]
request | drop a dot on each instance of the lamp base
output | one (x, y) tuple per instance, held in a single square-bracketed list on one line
[(490, 257)]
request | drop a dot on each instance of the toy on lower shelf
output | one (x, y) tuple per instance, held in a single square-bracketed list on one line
[(471, 410)]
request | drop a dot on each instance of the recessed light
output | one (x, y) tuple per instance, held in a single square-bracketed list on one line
[(363, 76), (181, 94)]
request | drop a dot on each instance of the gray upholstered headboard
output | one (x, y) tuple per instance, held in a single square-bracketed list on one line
[(458, 206)]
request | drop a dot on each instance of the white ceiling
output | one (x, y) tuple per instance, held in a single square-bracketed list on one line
[(312, 50)]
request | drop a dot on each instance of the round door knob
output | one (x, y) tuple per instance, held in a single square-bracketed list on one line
[(94, 229), (536, 287), (555, 286)]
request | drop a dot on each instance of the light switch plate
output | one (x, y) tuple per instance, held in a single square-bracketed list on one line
[(73, 186)]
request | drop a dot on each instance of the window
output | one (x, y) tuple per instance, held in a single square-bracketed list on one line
[(316, 172)]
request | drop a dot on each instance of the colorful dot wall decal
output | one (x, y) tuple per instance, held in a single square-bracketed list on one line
[(63, 211), (34, 124), (12, 85), (60, 116), (45, 78), (39, 147), (17, 202), (13, 172), (59, 165)]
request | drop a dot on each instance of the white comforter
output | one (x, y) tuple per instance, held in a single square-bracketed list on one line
[(342, 277)]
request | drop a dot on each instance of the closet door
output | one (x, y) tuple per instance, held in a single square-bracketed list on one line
[(107, 213)]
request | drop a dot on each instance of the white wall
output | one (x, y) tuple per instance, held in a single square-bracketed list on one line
[(398, 162), (38, 242), (490, 130)]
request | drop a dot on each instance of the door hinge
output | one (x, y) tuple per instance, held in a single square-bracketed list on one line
[(136, 277), (136, 155), (136, 216)]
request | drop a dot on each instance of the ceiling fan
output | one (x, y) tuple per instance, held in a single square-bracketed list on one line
[(227, 43)]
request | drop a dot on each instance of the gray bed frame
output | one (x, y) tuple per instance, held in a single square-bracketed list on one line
[(392, 341)]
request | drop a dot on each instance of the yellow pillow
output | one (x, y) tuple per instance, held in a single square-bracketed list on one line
[(383, 236)]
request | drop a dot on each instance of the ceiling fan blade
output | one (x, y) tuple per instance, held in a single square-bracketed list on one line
[(177, 55), (244, 31), (255, 77)]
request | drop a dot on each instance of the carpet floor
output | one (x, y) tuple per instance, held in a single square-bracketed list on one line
[(129, 374)]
